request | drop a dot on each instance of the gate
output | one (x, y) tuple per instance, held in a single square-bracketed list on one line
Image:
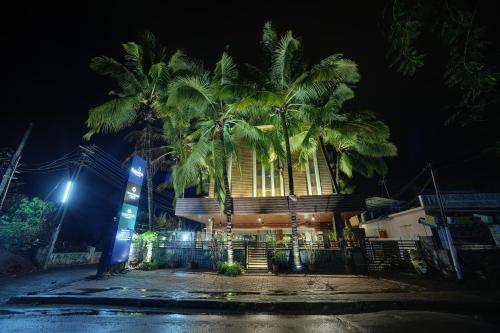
[(389, 255)]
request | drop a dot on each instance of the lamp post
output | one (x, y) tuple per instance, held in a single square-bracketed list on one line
[(64, 203)]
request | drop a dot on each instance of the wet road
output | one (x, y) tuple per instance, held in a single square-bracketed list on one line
[(97, 321), (42, 281)]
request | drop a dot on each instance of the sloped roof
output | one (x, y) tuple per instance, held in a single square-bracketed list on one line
[(374, 203)]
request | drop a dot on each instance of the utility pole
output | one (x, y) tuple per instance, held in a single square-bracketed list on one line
[(11, 169), (8, 185), (449, 238), (55, 233)]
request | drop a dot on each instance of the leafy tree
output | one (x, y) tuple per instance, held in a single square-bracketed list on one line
[(140, 96), (472, 66), (218, 130), (287, 85), (23, 222)]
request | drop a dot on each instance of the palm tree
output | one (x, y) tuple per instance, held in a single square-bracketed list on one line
[(217, 132), (360, 143), (140, 96), (287, 86)]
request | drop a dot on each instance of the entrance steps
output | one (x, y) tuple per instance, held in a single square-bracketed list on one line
[(257, 258)]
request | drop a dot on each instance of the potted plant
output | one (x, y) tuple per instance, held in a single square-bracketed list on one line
[(331, 236), (278, 259)]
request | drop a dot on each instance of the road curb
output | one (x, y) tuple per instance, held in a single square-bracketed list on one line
[(285, 307)]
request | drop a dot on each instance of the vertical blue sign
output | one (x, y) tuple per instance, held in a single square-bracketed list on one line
[(128, 213)]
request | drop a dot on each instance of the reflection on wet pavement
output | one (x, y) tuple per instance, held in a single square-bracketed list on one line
[(230, 294)]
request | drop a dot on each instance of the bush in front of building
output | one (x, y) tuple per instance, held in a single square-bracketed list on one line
[(150, 266), (279, 260), (229, 269)]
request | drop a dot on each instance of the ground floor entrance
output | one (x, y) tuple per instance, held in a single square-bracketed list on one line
[(270, 235)]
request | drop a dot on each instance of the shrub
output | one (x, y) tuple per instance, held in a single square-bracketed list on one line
[(150, 266), (349, 234), (23, 220), (331, 235), (229, 269), (280, 257)]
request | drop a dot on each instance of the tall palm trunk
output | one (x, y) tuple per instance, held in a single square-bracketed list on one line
[(291, 192), (228, 200), (337, 168), (149, 176)]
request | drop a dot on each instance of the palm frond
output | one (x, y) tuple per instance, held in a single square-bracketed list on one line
[(283, 55), (269, 37), (134, 58), (336, 69), (225, 71), (125, 79), (192, 91), (112, 116)]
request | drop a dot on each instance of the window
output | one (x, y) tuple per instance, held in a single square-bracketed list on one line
[(267, 179), (312, 176)]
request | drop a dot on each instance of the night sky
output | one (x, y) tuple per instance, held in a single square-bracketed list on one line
[(46, 79)]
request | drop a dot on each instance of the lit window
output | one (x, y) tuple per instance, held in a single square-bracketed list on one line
[(312, 176), (267, 179)]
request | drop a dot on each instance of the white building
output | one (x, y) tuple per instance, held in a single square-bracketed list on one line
[(401, 225)]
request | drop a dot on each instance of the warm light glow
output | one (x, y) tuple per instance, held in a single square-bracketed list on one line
[(259, 219), (313, 219), (65, 197)]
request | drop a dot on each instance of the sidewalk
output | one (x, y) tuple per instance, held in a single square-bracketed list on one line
[(259, 293)]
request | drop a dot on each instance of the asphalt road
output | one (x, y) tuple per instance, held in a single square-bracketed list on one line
[(42, 281), (97, 321)]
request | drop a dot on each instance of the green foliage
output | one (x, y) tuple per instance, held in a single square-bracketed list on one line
[(349, 234), (331, 235), (402, 36), (151, 266), (345, 187), (280, 257), (361, 142), (164, 221), (229, 269), (147, 237), (22, 222), (471, 68)]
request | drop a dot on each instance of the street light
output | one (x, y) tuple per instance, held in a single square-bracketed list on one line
[(67, 191)]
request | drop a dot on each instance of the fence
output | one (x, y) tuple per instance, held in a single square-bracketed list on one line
[(388, 255), (332, 256), (240, 245)]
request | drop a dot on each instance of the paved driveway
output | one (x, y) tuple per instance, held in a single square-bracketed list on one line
[(180, 284)]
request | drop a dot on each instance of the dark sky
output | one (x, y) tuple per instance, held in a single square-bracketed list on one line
[(46, 48)]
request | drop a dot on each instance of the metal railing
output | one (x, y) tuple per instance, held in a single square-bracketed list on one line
[(241, 245), (388, 255)]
